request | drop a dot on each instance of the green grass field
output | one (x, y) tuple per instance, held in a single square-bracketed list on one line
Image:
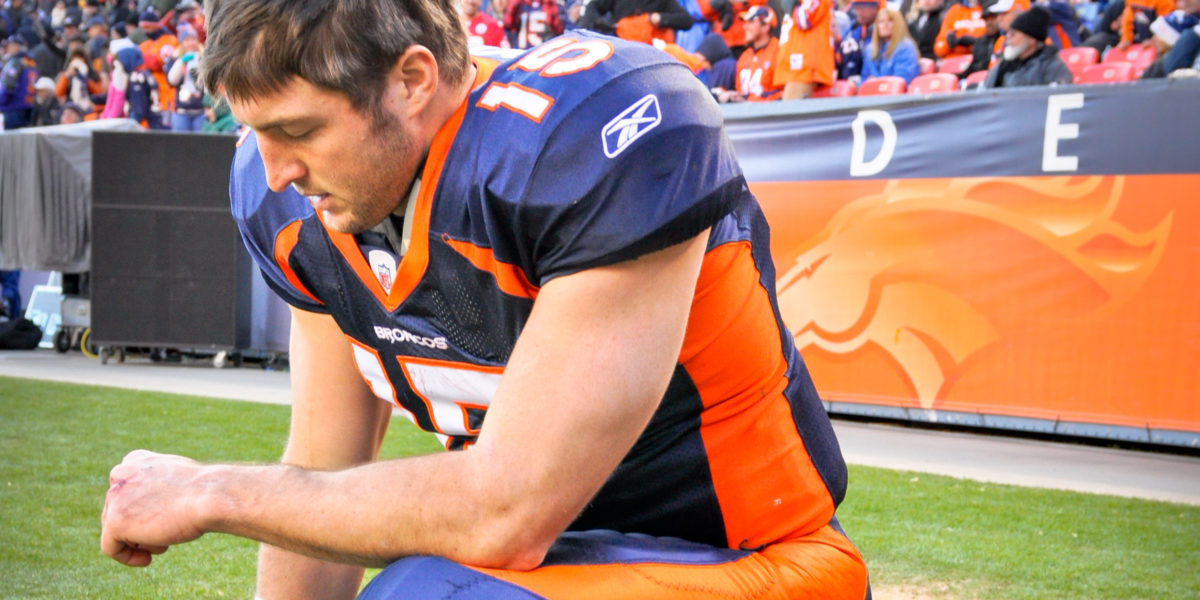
[(945, 537)]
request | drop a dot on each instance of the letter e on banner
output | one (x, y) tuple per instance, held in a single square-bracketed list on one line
[(1057, 130), (859, 167)]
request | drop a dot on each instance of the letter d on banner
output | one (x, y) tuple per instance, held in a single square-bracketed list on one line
[(860, 167)]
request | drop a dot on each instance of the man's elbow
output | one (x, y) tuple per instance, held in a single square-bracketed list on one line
[(512, 542)]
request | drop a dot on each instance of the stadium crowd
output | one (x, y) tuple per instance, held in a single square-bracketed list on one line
[(64, 62)]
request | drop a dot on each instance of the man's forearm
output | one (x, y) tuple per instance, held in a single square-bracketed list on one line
[(369, 515)]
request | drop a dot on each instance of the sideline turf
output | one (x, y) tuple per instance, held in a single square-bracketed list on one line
[(58, 441)]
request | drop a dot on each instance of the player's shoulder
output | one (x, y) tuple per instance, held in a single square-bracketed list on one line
[(254, 205)]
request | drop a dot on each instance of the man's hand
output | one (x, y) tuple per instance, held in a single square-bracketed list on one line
[(149, 507)]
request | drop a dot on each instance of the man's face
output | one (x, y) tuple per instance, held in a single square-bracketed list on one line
[(865, 13), (756, 31), (991, 23), (69, 116), (1189, 6), (1016, 39), (1005, 20), (353, 168), (470, 8), (929, 5)]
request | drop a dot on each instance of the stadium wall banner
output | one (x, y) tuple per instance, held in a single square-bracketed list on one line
[(1021, 259)]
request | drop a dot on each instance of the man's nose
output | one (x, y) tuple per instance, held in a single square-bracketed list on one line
[(282, 167)]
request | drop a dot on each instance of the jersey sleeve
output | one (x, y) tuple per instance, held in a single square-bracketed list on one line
[(639, 165), (269, 224)]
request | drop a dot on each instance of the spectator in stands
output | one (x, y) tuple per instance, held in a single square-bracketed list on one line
[(134, 91), (49, 52), (1108, 30), (1167, 31), (891, 50), (158, 48), (637, 20), (689, 38), (79, 83), (531, 22), (119, 38), (46, 110), (71, 113), (572, 13), (806, 57), (986, 51), (756, 66), (1135, 21), (15, 18), (926, 25), (1064, 23), (482, 29), (1185, 55), (191, 13), (97, 34), (17, 79), (1028, 60), (849, 57), (184, 74), (961, 24)]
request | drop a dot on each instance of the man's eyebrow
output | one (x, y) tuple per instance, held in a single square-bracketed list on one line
[(281, 122)]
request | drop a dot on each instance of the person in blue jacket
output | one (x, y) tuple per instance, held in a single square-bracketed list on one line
[(891, 50)]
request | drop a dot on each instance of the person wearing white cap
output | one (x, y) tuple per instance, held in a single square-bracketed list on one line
[(45, 104)]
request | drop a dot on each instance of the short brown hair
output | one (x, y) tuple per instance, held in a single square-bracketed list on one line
[(254, 47)]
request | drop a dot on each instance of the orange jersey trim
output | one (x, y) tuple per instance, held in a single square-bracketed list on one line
[(285, 241), (509, 277)]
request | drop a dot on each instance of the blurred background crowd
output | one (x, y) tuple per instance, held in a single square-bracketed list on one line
[(64, 62)]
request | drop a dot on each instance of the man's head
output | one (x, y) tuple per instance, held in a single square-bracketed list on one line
[(1191, 7), (865, 11), (70, 27), (759, 21), (926, 6), (71, 114), (256, 48), (44, 88), (470, 8), (342, 95), (1026, 34), (96, 27)]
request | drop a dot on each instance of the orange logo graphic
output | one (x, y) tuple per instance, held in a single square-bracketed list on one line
[(932, 271)]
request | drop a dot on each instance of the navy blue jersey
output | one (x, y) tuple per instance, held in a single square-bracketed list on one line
[(585, 151)]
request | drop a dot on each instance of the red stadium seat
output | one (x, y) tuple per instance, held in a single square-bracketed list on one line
[(1139, 55), (1106, 72), (840, 89), (934, 83), (1079, 57), (955, 64), (976, 78), (882, 86), (928, 65)]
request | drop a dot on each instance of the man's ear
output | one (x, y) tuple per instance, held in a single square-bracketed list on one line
[(413, 80)]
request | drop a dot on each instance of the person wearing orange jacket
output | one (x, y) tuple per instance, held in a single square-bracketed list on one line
[(158, 47), (722, 14), (806, 49), (756, 65), (961, 24), (1136, 20)]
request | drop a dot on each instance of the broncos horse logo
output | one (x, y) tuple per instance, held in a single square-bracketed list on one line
[(932, 271)]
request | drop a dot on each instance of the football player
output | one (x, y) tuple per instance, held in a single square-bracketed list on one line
[(582, 309)]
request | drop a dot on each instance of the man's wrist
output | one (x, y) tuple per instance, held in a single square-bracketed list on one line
[(213, 508)]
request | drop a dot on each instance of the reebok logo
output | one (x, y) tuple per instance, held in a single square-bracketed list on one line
[(396, 335), (631, 124)]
